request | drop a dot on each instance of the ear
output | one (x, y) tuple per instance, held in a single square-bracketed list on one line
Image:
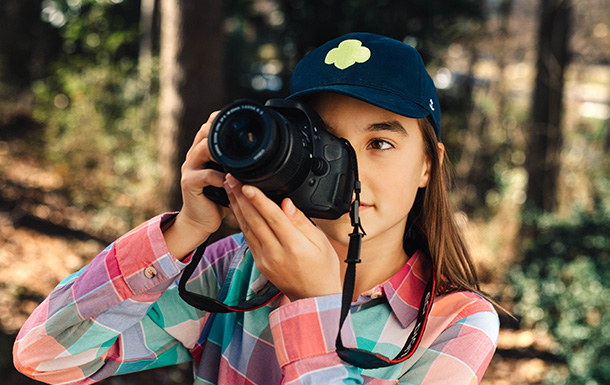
[(427, 166), (441, 153), (425, 174)]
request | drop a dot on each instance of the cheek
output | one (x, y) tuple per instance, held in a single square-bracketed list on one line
[(401, 188), (404, 196)]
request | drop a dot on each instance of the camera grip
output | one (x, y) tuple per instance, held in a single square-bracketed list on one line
[(216, 195)]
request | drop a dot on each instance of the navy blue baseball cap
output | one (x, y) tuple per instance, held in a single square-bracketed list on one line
[(378, 70)]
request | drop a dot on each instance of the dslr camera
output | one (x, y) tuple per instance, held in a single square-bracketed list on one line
[(282, 148)]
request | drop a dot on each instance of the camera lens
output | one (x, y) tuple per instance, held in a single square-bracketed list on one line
[(260, 146), (243, 136)]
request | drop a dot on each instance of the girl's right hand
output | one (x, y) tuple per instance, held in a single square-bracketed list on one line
[(199, 216)]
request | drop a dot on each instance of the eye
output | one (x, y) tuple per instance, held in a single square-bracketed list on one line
[(380, 144)]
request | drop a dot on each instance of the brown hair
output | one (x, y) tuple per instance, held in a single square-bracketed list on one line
[(433, 215)]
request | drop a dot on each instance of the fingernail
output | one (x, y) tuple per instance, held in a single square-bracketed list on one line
[(290, 207), (227, 187), (248, 191), (232, 182)]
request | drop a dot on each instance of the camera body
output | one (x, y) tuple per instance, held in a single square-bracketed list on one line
[(283, 149)]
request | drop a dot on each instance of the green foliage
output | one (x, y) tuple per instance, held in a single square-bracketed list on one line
[(99, 137), (98, 114), (562, 287), (95, 31)]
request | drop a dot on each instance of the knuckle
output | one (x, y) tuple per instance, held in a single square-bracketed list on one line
[(272, 219), (293, 249), (213, 116), (185, 181)]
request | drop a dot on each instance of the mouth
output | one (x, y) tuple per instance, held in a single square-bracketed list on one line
[(364, 206)]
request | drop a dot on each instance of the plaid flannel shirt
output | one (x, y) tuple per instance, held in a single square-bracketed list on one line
[(122, 313)]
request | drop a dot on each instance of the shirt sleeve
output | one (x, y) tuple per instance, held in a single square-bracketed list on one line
[(103, 320), (461, 353)]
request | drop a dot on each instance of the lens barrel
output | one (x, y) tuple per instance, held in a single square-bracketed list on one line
[(259, 146), (284, 149)]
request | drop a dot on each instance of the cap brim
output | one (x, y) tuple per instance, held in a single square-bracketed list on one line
[(380, 98)]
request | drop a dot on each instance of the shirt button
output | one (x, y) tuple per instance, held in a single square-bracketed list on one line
[(150, 272), (376, 294)]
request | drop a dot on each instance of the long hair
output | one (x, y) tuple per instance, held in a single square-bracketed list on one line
[(433, 215)]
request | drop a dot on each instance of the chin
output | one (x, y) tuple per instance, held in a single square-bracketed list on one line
[(337, 229)]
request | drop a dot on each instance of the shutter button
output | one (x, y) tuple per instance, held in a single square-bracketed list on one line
[(150, 272)]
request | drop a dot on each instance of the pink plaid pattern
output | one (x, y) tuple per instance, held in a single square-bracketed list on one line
[(111, 318)]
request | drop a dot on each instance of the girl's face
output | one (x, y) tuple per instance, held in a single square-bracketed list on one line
[(391, 164)]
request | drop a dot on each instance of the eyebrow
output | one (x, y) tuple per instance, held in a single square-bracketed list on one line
[(391, 125)]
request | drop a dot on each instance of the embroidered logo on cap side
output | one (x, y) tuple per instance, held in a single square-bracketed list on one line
[(348, 53)]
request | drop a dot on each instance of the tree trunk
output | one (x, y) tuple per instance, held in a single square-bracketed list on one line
[(190, 81), (607, 143), (545, 136), (145, 54)]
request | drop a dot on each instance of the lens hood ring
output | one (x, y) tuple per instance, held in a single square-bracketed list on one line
[(249, 138)]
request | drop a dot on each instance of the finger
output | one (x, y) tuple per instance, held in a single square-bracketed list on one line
[(300, 221), (249, 200), (296, 216), (198, 156), (196, 180), (244, 226), (269, 221), (204, 130)]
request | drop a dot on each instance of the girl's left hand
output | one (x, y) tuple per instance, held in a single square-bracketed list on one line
[(287, 248)]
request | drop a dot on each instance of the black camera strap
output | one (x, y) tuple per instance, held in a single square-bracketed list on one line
[(267, 294), (364, 358)]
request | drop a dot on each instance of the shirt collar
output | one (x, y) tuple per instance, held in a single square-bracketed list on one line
[(404, 290)]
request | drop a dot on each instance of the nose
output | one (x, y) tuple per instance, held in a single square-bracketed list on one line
[(363, 168)]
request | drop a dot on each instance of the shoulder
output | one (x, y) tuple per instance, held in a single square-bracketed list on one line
[(460, 339), (463, 304), (468, 309)]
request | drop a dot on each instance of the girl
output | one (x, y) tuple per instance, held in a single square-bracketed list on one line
[(122, 313)]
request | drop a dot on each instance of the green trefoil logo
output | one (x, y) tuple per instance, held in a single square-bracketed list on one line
[(348, 53)]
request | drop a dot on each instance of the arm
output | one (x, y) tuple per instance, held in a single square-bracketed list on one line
[(460, 354), (107, 320), (86, 325)]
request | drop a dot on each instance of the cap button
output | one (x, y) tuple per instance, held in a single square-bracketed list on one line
[(150, 272)]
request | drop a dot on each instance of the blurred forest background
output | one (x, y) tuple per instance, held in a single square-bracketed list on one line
[(99, 100)]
